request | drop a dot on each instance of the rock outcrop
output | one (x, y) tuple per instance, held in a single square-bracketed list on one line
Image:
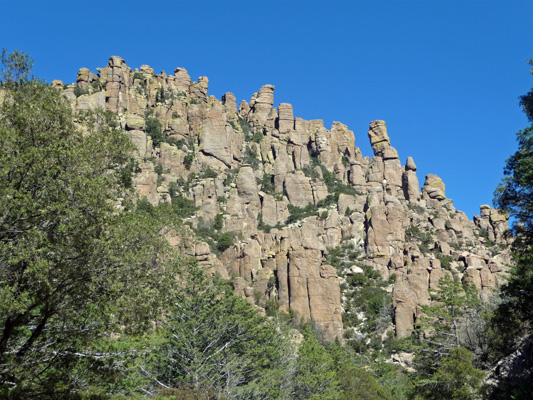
[(290, 192)]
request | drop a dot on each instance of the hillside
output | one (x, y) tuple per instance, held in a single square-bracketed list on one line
[(292, 209)]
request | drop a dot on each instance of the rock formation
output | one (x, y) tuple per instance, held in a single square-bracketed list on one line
[(291, 191)]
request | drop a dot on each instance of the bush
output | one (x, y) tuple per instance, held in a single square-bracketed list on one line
[(250, 157), (424, 239), (357, 383), (225, 241), (245, 126), (188, 160), (145, 206), (267, 183), (257, 137), (183, 207), (299, 213), (445, 261), (126, 173), (209, 173), (219, 222), (96, 85), (159, 169), (79, 91), (153, 129)]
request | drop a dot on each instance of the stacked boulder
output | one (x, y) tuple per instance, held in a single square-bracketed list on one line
[(258, 165)]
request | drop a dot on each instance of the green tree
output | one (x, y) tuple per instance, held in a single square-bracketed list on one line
[(440, 328), (515, 196), (455, 379), (315, 374), (68, 261), (357, 383), (514, 316), (440, 344), (215, 341)]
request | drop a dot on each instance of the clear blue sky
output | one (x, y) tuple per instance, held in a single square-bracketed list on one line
[(444, 75)]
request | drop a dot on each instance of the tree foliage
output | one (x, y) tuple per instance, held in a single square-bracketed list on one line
[(514, 316), (68, 261), (440, 354), (213, 340)]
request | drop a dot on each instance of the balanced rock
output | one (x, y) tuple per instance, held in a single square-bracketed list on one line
[(434, 188)]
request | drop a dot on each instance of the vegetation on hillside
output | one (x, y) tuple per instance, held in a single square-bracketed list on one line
[(95, 303)]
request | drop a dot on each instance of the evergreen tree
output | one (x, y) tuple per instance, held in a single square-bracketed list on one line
[(314, 376), (514, 317), (439, 352), (215, 341), (69, 265)]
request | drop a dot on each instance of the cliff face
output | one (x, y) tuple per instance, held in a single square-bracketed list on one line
[(294, 191)]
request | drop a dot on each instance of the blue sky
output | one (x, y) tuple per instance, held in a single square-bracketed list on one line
[(444, 75)]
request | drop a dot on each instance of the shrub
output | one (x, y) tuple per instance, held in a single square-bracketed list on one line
[(209, 173), (188, 160), (183, 207), (145, 206), (310, 173), (299, 213), (416, 208), (159, 169), (173, 189), (250, 157), (153, 129), (219, 222), (445, 261), (345, 161), (78, 91), (257, 137), (225, 241), (126, 173), (267, 183), (424, 239), (245, 126), (96, 85)]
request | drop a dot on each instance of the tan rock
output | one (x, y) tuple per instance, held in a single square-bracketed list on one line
[(410, 164), (404, 303), (379, 139), (262, 103), (302, 264), (298, 189), (91, 102), (229, 100), (286, 117), (410, 185), (268, 210), (218, 138), (134, 122), (141, 143), (433, 188), (247, 185), (83, 78), (324, 303), (182, 79)]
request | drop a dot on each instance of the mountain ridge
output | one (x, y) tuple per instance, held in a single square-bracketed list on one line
[(292, 193)]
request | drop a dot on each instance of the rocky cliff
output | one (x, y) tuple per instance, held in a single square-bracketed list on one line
[(295, 196)]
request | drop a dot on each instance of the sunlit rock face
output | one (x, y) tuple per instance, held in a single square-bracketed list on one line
[(291, 192)]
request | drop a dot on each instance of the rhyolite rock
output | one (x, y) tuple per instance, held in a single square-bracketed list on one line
[(254, 163)]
